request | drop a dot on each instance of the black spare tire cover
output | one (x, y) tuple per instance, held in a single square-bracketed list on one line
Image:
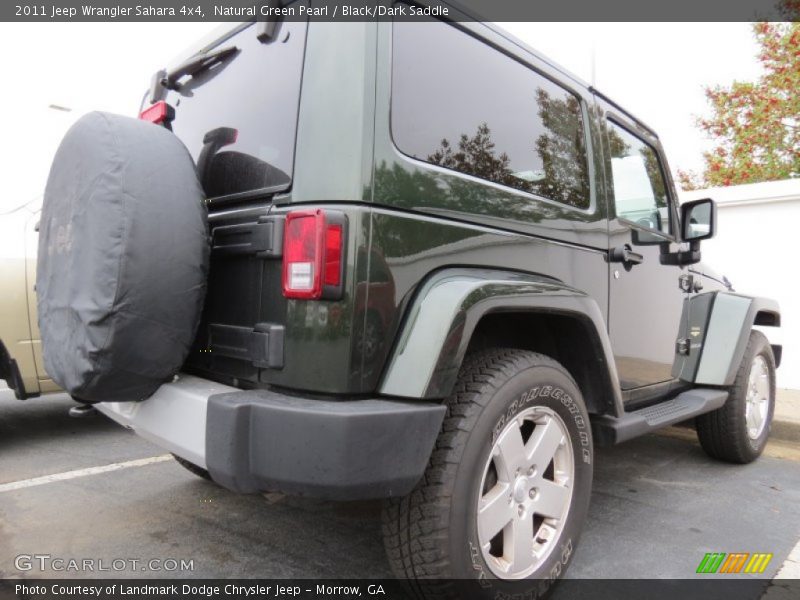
[(123, 258)]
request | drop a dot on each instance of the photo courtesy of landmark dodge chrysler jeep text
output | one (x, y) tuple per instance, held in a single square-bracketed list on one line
[(413, 261)]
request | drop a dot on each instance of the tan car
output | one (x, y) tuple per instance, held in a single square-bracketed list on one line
[(21, 362)]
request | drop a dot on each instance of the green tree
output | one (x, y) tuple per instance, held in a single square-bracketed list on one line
[(756, 125)]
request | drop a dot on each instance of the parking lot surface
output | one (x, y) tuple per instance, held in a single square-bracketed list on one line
[(659, 504)]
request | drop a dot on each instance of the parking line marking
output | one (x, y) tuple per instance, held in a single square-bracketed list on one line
[(784, 584), (791, 566), (45, 479)]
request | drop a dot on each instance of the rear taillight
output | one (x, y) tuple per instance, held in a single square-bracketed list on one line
[(333, 256), (313, 255), (159, 113)]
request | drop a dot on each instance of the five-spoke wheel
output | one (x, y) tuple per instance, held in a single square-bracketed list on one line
[(758, 395), (525, 492)]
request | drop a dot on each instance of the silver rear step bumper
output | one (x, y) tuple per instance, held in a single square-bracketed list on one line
[(262, 439), (173, 418)]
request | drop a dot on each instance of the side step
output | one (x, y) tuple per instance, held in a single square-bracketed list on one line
[(613, 430)]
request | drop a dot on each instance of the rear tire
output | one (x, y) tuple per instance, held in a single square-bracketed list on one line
[(738, 431), (516, 438)]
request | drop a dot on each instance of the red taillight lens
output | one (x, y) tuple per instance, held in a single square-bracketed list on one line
[(313, 247), (333, 255), (302, 254), (158, 113)]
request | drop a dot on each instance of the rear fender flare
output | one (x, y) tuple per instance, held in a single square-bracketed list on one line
[(442, 317)]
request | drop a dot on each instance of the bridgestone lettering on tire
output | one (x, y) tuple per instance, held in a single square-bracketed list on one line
[(123, 259), (505, 495)]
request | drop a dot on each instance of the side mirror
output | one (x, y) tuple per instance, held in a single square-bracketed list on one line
[(698, 220)]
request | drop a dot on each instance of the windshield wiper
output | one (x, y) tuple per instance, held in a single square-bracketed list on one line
[(169, 80)]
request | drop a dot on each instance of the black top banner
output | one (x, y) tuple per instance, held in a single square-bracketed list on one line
[(372, 10)]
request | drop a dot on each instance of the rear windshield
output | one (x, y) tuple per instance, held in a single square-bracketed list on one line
[(239, 118)]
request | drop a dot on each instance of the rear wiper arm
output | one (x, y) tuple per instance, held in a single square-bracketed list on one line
[(168, 80), (195, 65)]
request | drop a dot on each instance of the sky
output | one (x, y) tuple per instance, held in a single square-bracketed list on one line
[(83, 66), (655, 70)]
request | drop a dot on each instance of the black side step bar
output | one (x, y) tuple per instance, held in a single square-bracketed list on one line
[(613, 430)]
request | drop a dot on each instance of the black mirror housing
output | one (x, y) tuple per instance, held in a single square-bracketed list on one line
[(698, 220)]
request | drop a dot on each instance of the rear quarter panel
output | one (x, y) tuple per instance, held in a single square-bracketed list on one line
[(428, 218), (413, 246)]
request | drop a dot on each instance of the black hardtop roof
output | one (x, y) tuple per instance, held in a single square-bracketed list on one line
[(227, 30)]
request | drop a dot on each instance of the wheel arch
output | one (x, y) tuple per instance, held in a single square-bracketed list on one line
[(561, 335), (460, 309), (770, 316)]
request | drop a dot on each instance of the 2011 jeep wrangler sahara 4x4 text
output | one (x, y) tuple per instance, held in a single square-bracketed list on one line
[(410, 260)]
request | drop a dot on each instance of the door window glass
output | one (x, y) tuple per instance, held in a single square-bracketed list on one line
[(640, 193)]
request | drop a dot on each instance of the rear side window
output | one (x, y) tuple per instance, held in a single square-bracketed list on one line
[(239, 118), (461, 104)]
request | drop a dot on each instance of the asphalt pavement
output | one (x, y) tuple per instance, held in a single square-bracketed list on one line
[(89, 489)]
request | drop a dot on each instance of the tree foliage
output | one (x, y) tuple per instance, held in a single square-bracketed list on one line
[(477, 156), (562, 149), (560, 146), (756, 125)]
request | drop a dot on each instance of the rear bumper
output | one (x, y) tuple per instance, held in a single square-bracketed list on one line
[(261, 440)]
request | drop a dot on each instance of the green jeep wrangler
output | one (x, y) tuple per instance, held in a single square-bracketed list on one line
[(414, 261)]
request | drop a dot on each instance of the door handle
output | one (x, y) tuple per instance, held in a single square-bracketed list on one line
[(624, 254)]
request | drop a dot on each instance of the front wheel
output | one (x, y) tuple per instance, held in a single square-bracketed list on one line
[(738, 431), (506, 492)]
